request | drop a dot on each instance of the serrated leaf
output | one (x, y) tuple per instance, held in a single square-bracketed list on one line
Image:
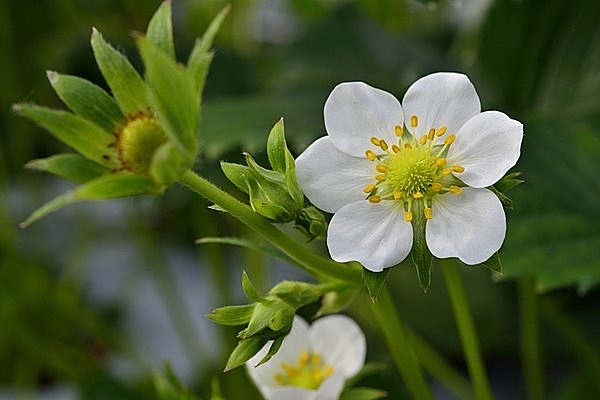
[(493, 263), (103, 187), (249, 244), (374, 281), (362, 393), (160, 29), (232, 315), (87, 100), (249, 289), (237, 174), (125, 83), (90, 140), (244, 351), (273, 349), (420, 254), (276, 147), (69, 166), (173, 97)]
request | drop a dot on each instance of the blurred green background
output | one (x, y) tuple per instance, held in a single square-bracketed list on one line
[(94, 298)]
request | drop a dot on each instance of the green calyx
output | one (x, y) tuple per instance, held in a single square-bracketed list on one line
[(138, 141)]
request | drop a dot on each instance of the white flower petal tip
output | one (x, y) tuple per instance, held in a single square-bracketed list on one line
[(376, 235), (355, 112), (487, 146), (470, 226), (443, 99), (313, 362)]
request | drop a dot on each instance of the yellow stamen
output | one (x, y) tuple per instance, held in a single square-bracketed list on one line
[(436, 187), (395, 148), (441, 131), (289, 370), (397, 195), (428, 213), (375, 141), (407, 146), (316, 358), (431, 134), (280, 378), (381, 168), (398, 130), (317, 375), (328, 372), (447, 171), (383, 144), (408, 216), (369, 188), (423, 139), (458, 168), (303, 358), (375, 199), (414, 121), (418, 195), (449, 140), (439, 162), (380, 178), (370, 155), (455, 189)]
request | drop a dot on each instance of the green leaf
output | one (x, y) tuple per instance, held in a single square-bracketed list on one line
[(125, 83), (103, 187), (244, 351), (87, 100), (420, 254), (493, 263), (276, 147), (373, 282), (160, 29), (77, 132), (273, 349), (237, 174), (363, 393), (249, 289), (173, 96), (69, 166), (168, 164), (249, 244), (232, 315), (213, 28)]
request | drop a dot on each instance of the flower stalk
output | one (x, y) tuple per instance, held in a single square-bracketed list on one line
[(530, 343)]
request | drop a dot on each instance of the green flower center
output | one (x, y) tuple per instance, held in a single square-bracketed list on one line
[(413, 169), (309, 372), (138, 140)]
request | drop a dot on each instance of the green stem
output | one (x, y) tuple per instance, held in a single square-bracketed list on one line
[(530, 334), (311, 262), (397, 339), (466, 328)]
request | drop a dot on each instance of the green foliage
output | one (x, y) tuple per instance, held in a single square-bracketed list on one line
[(374, 281), (160, 29), (69, 166), (420, 255)]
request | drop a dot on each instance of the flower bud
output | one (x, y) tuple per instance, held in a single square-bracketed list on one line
[(311, 222), (296, 294)]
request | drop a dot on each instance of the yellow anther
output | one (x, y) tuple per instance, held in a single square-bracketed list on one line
[(431, 134), (280, 378), (395, 148), (370, 155), (408, 216), (428, 213), (381, 168), (375, 141), (418, 195), (315, 359), (303, 359), (317, 375), (383, 144), (397, 195), (369, 188), (458, 168), (455, 189), (414, 121), (423, 139), (289, 370), (436, 187), (328, 372), (380, 178), (447, 171), (398, 130), (449, 140), (375, 199), (441, 131), (439, 162), (407, 146)]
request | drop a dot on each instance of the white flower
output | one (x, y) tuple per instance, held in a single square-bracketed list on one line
[(313, 362), (434, 155)]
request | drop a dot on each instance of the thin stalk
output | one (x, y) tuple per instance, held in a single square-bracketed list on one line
[(400, 347), (312, 263), (530, 340), (466, 329)]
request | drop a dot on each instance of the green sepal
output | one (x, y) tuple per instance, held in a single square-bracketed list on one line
[(90, 140), (237, 174), (335, 302), (125, 83), (374, 281), (244, 351), (296, 294), (168, 164), (173, 96), (291, 180), (69, 166), (273, 349), (312, 223), (267, 174), (509, 182), (420, 255), (270, 318), (160, 29), (249, 289), (493, 263), (87, 100), (276, 147), (232, 315), (362, 393), (264, 204), (104, 187), (504, 199)]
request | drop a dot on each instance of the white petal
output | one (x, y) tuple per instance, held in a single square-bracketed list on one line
[(376, 235), (330, 178), (331, 388), (290, 393), (441, 99), (487, 145), (470, 226), (355, 112), (341, 342)]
